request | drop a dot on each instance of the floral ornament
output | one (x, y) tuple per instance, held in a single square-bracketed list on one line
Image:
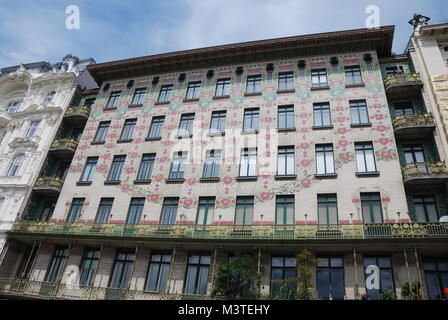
[(205, 99), (386, 154), (269, 93), (154, 197), (343, 158), (104, 169), (373, 84), (225, 203), (237, 96), (187, 203), (264, 196), (337, 88), (303, 92), (175, 103), (76, 168), (148, 105), (122, 108), (95, 113)]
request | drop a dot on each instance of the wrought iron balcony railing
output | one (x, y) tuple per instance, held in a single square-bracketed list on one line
[(49, 182), (256, 232), (422, 169), (78, 110), (409, 120), (402, 79), (64, 143)]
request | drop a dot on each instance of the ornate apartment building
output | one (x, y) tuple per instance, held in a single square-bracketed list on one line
[(266, 147)]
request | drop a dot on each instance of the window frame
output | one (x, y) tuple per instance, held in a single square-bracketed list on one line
[(351, 73), (287, 111), (165, 93), (118, 160), (358, 106), (92, 164), (223, 85), (253, 82), (140, 94), (179, 173), (104, 127), (364, 149), (325, 149), (327, 199), (248, 153), (320, 74), (286, 81), (284, 205), (114, 97), (195, 86)]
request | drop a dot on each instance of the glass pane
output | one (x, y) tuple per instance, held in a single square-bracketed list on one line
[(323, 284), (191, 277), (370, 161), (432, 284), (337, 284), (361, 166)]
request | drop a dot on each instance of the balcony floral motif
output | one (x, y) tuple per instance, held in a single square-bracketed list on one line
[(64, 147), (77, 114), (402, 84), (413, 124), (424, 172), (49, 185)]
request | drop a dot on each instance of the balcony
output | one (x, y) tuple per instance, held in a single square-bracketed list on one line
[(64, 148), (215, 232), (422, 174), (48, 186), (402, 85), (77, 115), (413, 125)]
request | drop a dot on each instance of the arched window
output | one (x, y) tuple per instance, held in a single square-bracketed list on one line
[(15, 165), (50, 97)]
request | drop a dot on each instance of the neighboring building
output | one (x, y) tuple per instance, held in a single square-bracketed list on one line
[(265, 147)]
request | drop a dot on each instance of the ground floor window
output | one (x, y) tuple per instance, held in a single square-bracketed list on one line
[(436, 274), (330, 278), (197, 274), (385, 277), (283, 273), (158, 271)]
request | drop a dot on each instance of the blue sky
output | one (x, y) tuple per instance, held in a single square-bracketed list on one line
[(117, 29)]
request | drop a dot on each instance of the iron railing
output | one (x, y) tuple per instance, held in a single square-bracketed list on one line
[(402, 79), (409, 120), (64, 142), (78, 110), (50, 182), (418, 169)]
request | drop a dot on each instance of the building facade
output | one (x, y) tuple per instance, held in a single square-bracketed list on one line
[(265, 147)]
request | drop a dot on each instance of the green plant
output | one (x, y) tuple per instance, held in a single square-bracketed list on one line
[(305, 262), (387, 294), (410, 292)]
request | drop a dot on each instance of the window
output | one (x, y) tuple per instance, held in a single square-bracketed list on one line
[(414, 153), (222, 88), (169, 211), (285, 162), (178, 165), (244, 211), (283, 273), (49, 98), (47, 210), (206, 208), (322, 117), (193, 90), (75, 209), (89, 263), (101, 133), (284, 207), (155, 131), (330, 278), (2, 200), (56, 264), (116, 168), (248, 162), (286, 117), (394, 70), (253, 84), (197, 274), (212, 163), (165, 93), (251, 117), (218, 122), (403, 108), (385, 277), (319, 78), (14, 106), (436, 274), (15, 165), (186, 125), (159, 269), (353, 75), (89, 169), (358, 112), (145, 171), (32, 128), (365, 158), (425, 208), (128, 130), (139, 94), (324, 159), (29, 255), (122, 269), (285, 81), (113, 100), (63, 170), (327, 206), (371, 208), (89, 102), (135, 210), (104, 210), (76, 134)]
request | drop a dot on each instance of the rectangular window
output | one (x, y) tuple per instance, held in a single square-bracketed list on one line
[(425, 208), (113, 100), (186, 125), (165, 93), (76, 134), (197, 274), (365, 157), (394, 70), (155, 131), (285, 162), (75, 209), (212, 163), (372, 211), (436, 274), (146, 166), (47, 210), (104, 210), (29, 255), (386, 279), (319, 78), (403, 108), (135, 210), (324, 159), (169, 211), (244, 211), (286, 117), (284, 207), (63, 170), (358, 112), (218, 122), (178, 165), (248, 162), (222, 88), (14, 106), (322, 116), (89, 102), (139, 94), (128, 129), (330, 278), (193, 90), (327, 206), (122, 269), (89, 169), (116, 168), (89, 263), (285, 81), (251, 117), (15, 165), (206, 209), (32, 128), (283, 273), (101, 133), (353, 75), (253, 84), (54, 270), (159, 269)]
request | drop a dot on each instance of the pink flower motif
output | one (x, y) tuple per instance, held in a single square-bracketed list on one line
[(379, 116), (265, 196), (188, 202), (306, 182), (158, 178), (225, 202), (79, 157), (342, 130), (381, 128), (303, 115), (83, 147), (227, 180), (343, 143), (268, 119), (191, 181), (134, 155), (166, 143), (305, 162), (386, 154), (304, 130), (383, 141), (304, 145), (164, 159), (125, 187), (344, 156), (106, 156), (356, 200), (129, 170), (109, 145), (102, 168), (154, 197)]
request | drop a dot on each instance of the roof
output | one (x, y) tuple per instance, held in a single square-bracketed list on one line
[(41, 65)]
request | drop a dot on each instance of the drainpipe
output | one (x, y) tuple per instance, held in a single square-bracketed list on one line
[(96, 271)]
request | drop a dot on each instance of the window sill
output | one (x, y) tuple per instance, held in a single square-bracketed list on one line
[(112, 182), (161, 102), (320, 88), (285, 177), (191, 100), (216, 134), (322, 127), (325, 175), (368, 174), (124, 141), (361, 125), (286, 129), (173, 181), (84, 183), (221, 97), (286, 91), (153, 139), (106, 109), (97, 142), (356, 85), (249, 132), (215, 179), (251, 178), (142, 181), (252, 94), (185, 137), (135, 106)]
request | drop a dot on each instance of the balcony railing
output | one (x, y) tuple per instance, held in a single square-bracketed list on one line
[(49, 182), (424, 169), (409, 120), (256, 232), (64, 143), (78, 110), (402, 79)]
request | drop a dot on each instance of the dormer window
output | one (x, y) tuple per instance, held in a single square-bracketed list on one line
[(49, 98)]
